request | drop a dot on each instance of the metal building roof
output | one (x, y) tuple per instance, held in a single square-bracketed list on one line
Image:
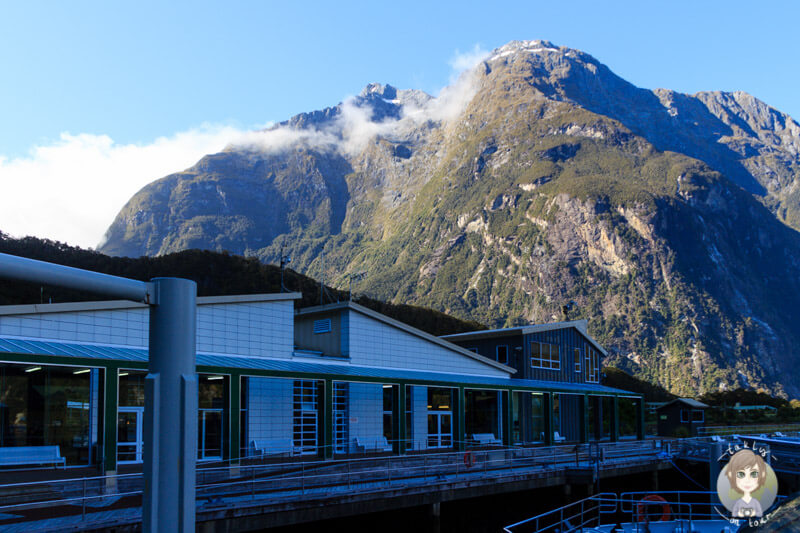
[(315, 368)]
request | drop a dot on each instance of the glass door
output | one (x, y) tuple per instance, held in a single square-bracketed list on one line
[(440, 429), (209, 436), (129, 434)]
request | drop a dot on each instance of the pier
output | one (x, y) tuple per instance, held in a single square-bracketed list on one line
[(257, 496)]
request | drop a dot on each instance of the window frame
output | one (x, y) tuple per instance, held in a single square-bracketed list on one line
[(592, 363), (551, 362), (497, 353)]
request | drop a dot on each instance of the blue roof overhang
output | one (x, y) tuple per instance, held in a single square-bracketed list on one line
[(315, 369)]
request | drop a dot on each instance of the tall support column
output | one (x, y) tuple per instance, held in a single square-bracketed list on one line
[(327, 428), (235, 416), (615, 419), (547, 400), (400, 415), (459, 415), (508, 418), (110, 420), (170, 445), (584, 410)]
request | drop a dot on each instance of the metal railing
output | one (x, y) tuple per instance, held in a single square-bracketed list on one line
[(685, 510), (757, 429), (264, 482)]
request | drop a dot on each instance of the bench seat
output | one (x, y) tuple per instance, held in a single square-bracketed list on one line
[(31, 455), (373, 443), (265, 447), (486, 439)]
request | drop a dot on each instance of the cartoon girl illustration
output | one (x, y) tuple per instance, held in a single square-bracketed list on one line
[(746, 472)]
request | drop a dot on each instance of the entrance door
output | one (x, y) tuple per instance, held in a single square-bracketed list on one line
[(209, 436), (440, 429), (129, 434)]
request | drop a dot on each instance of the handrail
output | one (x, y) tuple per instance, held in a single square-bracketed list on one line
[(732, 430), (279, 480)]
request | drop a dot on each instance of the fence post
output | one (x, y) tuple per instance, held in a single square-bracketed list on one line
[(83, 507), (253, 483)]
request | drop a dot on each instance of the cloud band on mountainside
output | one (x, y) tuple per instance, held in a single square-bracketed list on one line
[(70, 190)]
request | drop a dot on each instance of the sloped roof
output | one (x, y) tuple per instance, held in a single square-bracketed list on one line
[(580, 325), (441, 341), (686, 401)]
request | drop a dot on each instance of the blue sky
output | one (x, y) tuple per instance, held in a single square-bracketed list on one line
[(99, 98)]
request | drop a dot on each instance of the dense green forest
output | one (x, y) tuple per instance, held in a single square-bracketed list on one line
[(225, 274), (215, 273)]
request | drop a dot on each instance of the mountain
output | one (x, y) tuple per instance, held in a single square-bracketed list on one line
[(539, 186)]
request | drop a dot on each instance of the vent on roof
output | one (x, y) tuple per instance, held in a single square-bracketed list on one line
[(322, 326)]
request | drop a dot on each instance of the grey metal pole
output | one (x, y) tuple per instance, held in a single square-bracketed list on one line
[(171, 411), (24, 269), (170, 442)]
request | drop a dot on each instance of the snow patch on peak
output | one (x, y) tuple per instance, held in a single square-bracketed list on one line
[(533, 47)]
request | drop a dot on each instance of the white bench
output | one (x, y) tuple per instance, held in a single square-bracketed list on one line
[(373, 443), (31, 455), (486, 439), (558, 438), (265, 447)]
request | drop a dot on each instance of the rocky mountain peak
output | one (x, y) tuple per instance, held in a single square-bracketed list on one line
[(380, 90), (550, 179)]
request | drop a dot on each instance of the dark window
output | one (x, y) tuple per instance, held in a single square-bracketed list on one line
[(473, 349), (697, 416), (684, 415), (577, 356), (502, 354)]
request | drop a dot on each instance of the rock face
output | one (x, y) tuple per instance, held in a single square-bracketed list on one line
[(537, 179)]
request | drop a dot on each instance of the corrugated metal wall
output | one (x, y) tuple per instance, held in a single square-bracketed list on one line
[(568, 339)]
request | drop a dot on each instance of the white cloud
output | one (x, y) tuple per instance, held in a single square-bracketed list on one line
[(72, 189), (468, 60)]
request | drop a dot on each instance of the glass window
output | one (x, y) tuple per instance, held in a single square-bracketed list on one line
[(527, 410), (212, 415), (546, 356), (482, 413), (131, 388), (628, 417), (502, 354), (592, 364), (280, 417), (577, 357), (429, 417), (44, 405), (557, 414)]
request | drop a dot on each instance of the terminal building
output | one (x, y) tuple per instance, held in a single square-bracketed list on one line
[(327, 381)]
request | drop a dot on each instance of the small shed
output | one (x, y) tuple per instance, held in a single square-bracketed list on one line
[(681, 413)]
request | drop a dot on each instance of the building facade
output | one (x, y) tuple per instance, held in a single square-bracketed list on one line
[(566, 357), (327, 381)]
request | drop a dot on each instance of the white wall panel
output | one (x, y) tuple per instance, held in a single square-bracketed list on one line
[(257, 329), (375, 343)]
